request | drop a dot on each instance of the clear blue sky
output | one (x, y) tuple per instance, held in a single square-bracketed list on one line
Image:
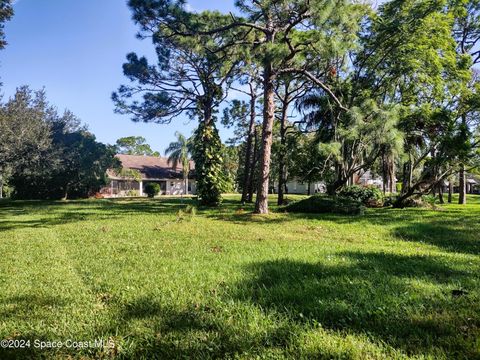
[(75, 49)]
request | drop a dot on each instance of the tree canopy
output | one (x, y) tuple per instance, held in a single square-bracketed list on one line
[(135, 145)]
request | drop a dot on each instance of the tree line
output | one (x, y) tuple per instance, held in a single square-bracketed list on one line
[(45, 154), (393, 88)]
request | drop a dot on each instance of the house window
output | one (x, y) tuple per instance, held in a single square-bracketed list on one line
[(172, 184)]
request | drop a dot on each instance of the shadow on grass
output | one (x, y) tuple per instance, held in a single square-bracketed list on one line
[(18, 214), (22, 305), (404, 302), (198, 331), (384, 296), (444, 234)]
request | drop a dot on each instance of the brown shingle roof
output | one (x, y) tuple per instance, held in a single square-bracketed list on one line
[(151, 167)]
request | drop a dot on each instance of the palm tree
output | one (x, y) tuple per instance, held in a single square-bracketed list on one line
[(179, 152)]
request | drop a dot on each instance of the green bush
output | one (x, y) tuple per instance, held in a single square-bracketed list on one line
[(152, 189), (368, 195), (189, 212), (430, 200), (133, 193), (389, 200), (319, 204)]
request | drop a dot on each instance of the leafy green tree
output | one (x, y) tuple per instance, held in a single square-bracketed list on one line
[(289, 31), (83, 162), (280, 35), (135, 145), (179, 153), (230, 155), (25, 141), (466, 32), (424, 73), (49, 155), (192, 76)]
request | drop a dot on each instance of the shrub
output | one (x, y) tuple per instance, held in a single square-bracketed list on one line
[(430, 200), (368, 195), (389, 200), (133, 193), (152, 189), (319, 204), (188, 213), (414, 202), (98, 195)]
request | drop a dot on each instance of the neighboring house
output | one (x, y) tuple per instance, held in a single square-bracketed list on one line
[(296, 186), (472, 186), (368, 179), (151, 169)]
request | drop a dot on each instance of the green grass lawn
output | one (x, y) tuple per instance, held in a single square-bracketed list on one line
[(227, 284)]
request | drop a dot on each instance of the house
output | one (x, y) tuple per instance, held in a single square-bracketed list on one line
[(138, 171), (472, 185), (296, 186)]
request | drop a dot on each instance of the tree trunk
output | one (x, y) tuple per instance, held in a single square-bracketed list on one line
[(247, 178), (384, 173), (253, 165), (282, 173), (400, 202), (406, 177), (261, 205), (1, 183), (338, 184), (65, 193), (309, 184), (393, 185), (450, 191), (440, 194), (462, 192)]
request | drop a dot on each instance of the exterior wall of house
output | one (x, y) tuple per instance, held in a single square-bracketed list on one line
[(297, 187), (122, 188), (125, 188), (177, 187)]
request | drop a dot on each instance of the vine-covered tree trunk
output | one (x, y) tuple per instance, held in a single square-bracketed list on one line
[(462, 181), (208, 161), (261, 205)]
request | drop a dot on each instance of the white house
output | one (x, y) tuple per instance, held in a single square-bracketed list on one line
[(149, 169)]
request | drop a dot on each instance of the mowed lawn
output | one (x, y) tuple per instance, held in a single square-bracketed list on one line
[(227, 284)]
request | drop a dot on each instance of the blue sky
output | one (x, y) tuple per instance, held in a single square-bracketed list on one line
[(75, 49)]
